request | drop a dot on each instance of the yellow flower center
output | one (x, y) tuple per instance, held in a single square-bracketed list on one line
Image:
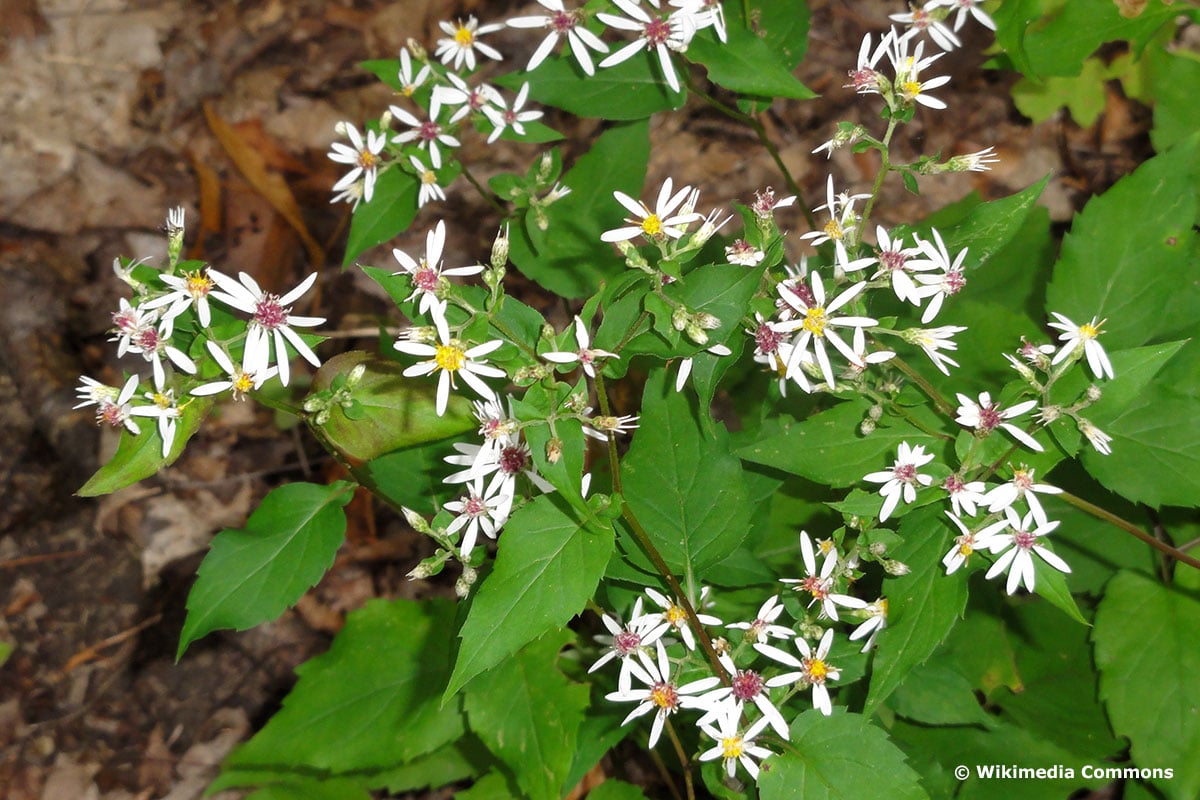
[(675, 615), (732, 747), (833, 229), (815, 321), (965, 549), (242, 382), (161, 400), (428, 177), (449, 357), (1088, 331), (817, 670), (664, 696), (825, 545), (408, 90), (366, 159), (652, 225), (198, 284), (464, 37), (911, 89)]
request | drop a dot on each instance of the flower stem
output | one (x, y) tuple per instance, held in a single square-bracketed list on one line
[(683, 761), (884, 167), (490, 197), (1112, 519), (925, 386)]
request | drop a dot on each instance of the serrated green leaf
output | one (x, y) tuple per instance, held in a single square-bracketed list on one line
[(1062, 45), (391, 210), (989, 227), (1147, 649), (395, 412), (568, 258), (370, 703), (528, 714), (252, 575), (1176, 114), (412, 477), (1130, 255), (746, 64), (827, 448), (682, 483), (936, 694), (1012, 18), (842, 757), (633, 89), (923, 605), (547, 568), (782, 24), (1083, 94), (140, 456)]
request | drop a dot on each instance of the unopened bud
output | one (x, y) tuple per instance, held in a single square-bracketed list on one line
[(418, 52), (385, 119), (341, 128), (811, 631), (322, 417), (895, 568), (174, 235), (545, 164), (415, 520), (877, 549), (875, 412), (1093, 393), (461, 588), (315, 403), (721, 645), (554, 449), (680, 318), (355, 375), (867, 427), (500, 248), (696, 333), (530, 374), (420, 572), (494, 277), (576, 403), (707, 321)]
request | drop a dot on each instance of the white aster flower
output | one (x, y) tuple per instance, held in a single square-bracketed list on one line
[(938, 287), (462, 40), (189, 289), (153, 343), (765, 203), (561, 23), (842, 221), (820, 584), (116, 411), (1098, 438), (601, 428), (920, 20), (654, 32), (901, 481), (864, 78), (661, 694), (763, 627), (965, 496), (164, 407), (131, 323), (625, 641), (734, 745), (966, 543), (585, 355), (430, 189), (478, 510), (816, 326), (502, 116), (676, 617), (744, 254), (704, 14), (428, 134), (870, 627), (745, 686), (93, 392), (452, 359), (985, 416), (908, 85), (933, 341), (813, 668), (271, 321), (428, 274), (463, 97), (363, 156), (979, 161), (896, 262), (965, 7), (409, 82), (241, 380), (1021, 486), (1082, 337), (662, 221), (1021, 543)]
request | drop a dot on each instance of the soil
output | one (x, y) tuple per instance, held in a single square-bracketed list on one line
[(113, 112)]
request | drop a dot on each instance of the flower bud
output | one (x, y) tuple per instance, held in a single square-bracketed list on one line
[(415, 520), (545, 165), (877, 549), (315, 403), (418, 52), (419, 572), (680, 318), (721, 645), (867, 427), (554, 449), (500, 248), (355, 375), (1093, 393), (875, 412), (175, 230), (896, 568), (322, 417), (707, 321), (696, 333)]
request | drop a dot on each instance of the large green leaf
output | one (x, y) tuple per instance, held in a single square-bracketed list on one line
[(312, 789), (781, 24), (989, 227), (391, 210), (252, 575), (633, 89), (922, 606), (528, 714), (746, 64), (682, 483), (567, 257), (1130, 256), (1147, 647), (140, 456), (547, 568), (827, 448), (1174, 77), (367, 705), (393, 411), (1061, 46), (842, 757)]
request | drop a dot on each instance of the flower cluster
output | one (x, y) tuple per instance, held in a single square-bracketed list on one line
[(172, 316)]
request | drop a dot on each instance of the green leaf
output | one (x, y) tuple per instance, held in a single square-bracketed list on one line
[(393, 411), (1083, 94), (391, 210), (842, 757), (613, 789), (682, 483), (494, 786), (370, 703), (529, 714), (1130, 255), (782, 24), (413, 476), (547, 568), (989, 227), (936, 694), (922, 606), (633, 89), (252, 575), (312, 789), (6, 650), (1012, 18), (828, 448), (1062, 45), (1176, 114), (1147, 648), (140, 456), (567, 256), (746, 64)]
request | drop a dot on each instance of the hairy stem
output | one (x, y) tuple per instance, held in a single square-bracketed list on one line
[(1127, 526)]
